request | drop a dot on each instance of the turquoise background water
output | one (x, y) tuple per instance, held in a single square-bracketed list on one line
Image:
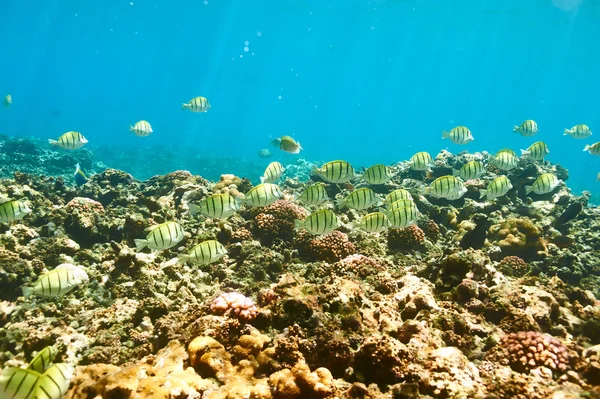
[(365, 81)]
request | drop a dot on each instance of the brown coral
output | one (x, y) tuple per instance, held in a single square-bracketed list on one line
[(405, 238), (330, 247), (519, 237), (277, 219), (431, 230), (356, 265), (513, 266), (529, 350)]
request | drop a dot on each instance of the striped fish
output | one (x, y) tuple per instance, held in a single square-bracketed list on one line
[(374, 222), (593, 149), (579, 132), (58, 281), (319, 222), (335, 172), (536, 152), (13, 210), (469, 171), (421, 161), (397, 195), (377, 174), (141, 129), (272, 173), (544, 184), (197, 104), (401, 203), (497, 188), (402, 217), (163, 236), (17, 383), (314, 195), (219, 206), (449, 187), (527, 128), (458, 135), (205, 253), (69, 141), (55, 381), (263, 195), (359, 199), (43, 359), (505, 159)]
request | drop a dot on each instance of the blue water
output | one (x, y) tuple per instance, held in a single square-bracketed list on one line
[(365, 81)]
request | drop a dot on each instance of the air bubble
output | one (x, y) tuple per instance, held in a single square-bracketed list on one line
[(246, 49), (259, 33)]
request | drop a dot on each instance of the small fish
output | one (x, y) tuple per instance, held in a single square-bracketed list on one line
[(319, 222), (80, 177), (7, 102), (377, 174), (421, 161), (43, 359), (272, 173), (264, 153), (401, 203), (362, 198), (314, 195), (197, 104), (593, 149), (458, 135), (544, 184), (396, 195), (536, 152), (578, 132), (505, 159), (13, 210), (449, 187), (335, 172), (58, 281), (287, 144), (162, 236), (205, 253), (141, 129), (470, 171), (218, 206), (69, 141), (263, 195), (402, 217), (527, 128), (375, 222), (497, 188)]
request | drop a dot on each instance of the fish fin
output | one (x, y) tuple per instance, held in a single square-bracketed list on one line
[(482, 193), (130, 128), (27, 291), (184, 106), (567, 132), (52, 142), (240, 200), (140, 244), (455, 172), (194, 209), (315, 171), (445, 134), (587, 147), (182, 258), (299, 146), (77, 170), (515, 129), (528, 189), (262, 179), (524, 152), (299, 224), (383, 210)]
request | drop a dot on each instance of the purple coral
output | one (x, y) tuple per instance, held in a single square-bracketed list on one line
[(234, 304)]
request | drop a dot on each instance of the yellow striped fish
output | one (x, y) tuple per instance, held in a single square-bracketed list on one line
[(593, 149), (544, 184), (497, 188), (402, 217), (7, 102), (579, 132), (536, 152), (272, 173), (397, 195), (197, 104), (13, 210), (17, 383), (141, 129), (335, 172), (449, 187), (374, 222), (69, 141), (401, 203), (458, 135), (53, 384), (505, 159), (319, 222), (421, 161), (527, 128), (263, 195), (58, 281), (219, 206), (205, 253), (377, 174), (359, 199), (163, 236), (314, 195), (469, 171), (43, 359)]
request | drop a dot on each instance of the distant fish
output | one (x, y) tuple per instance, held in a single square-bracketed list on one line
[(375, 222), (459, 135), (314, 195), (527, 128), (264, 153), (197, 104), (163, 236), (598, 177), (13, 210), (272, 173), (263, 195), (421, 161), (497, 188), (593, 149), (544, 184), (141, 128), (536, 152), (335, 172), (205, 253), (58, 281), (287, 144), (69, 141), (7, 102), (360, 199), (56, 112), (469, 171), (320, 222), (579, 132), (80, 177), (377, 174)]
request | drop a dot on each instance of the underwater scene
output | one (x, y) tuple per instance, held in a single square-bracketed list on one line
[(227, 199)]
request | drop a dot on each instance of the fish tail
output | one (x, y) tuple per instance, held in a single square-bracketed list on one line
[(183, 258), (262, 179), (194, 209), (52, 142), (482, 193), (515, 129), (140, 244), (445, 134), (299, 146), (455, 172), (524, 152), (299, 224), (528, 189), (184, 106), (587, 147), (315, 171), (27, 291), (567, 131)]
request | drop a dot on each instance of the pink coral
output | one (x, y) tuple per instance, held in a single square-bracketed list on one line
[(234, 304), (85, 205), (527, 350)]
